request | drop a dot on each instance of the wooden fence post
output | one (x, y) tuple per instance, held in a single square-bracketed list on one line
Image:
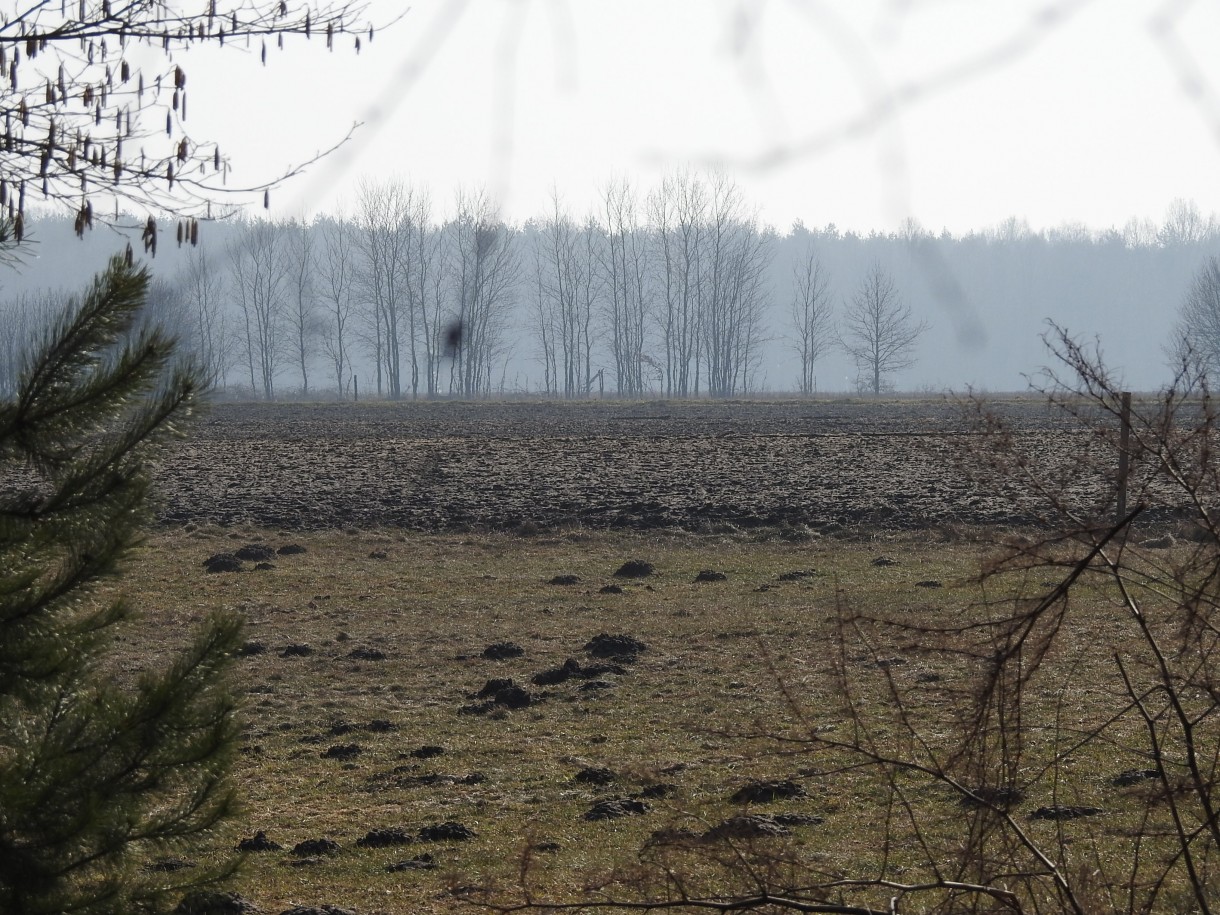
[(1124, 460)]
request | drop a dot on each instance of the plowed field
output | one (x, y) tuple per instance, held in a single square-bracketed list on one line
[(836, 466)]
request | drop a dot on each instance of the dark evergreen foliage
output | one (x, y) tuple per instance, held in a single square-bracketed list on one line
[(101, 772)]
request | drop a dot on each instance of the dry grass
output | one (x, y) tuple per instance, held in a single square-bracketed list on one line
[(751, 655)]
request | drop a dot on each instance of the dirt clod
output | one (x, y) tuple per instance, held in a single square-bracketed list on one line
[(343, 751), (312, 847), (747, 826), (556, 675), (255, 552), (367, 654), (1129, 777), (209, 902), (384, 838), (613, 808), (709, 575), (424, 862), (503, 651), (764, 792), (222, 562), (446, 832), (591, 775), (620, 647), (634, 568), (169, 865), (259, 842)]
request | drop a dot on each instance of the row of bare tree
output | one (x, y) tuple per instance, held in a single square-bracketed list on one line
[(385, 284), (665, 293)]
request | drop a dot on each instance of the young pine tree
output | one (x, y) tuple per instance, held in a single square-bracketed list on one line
[(100, 773)]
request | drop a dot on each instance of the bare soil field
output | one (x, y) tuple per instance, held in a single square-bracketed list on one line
[(833, 467)]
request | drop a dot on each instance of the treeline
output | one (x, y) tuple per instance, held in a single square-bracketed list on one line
[(678, 291), (667, 293)]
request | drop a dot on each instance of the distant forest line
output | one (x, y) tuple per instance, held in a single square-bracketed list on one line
[(675, 291)]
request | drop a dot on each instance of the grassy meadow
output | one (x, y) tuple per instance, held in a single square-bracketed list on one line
[(366, 655)]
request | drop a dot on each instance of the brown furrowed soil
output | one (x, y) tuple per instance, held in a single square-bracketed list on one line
[(829, 466)]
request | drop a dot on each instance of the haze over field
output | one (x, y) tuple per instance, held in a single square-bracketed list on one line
[(1004, 167)]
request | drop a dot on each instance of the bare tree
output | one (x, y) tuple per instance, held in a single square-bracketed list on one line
[(208, 334), (25, 319), (336, 289), (812, 315), (625, 268), (544, 318), (1185, 225), (677, 213), (879, 331), (567, 282), (425, 266), (95, 96), (483, 272), (301, 308), (735, 260), (259, 286), (1197, 335), (383, 242)]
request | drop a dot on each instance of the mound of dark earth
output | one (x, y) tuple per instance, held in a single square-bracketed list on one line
[(223, 562), (259, 842), (424, 862), (383, 838), (311, 847), (622, 648), (446, 832), (430, 751), (613, 808), (593, 775), (499, 692), (210, 902), (503, 651), (767, 791), (634, 568), (573, 669), (255, 552), (792, 466)]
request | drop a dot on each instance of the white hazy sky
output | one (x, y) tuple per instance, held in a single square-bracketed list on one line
[(958, 113)]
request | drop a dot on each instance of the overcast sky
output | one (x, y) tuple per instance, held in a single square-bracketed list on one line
[(958, 113)]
